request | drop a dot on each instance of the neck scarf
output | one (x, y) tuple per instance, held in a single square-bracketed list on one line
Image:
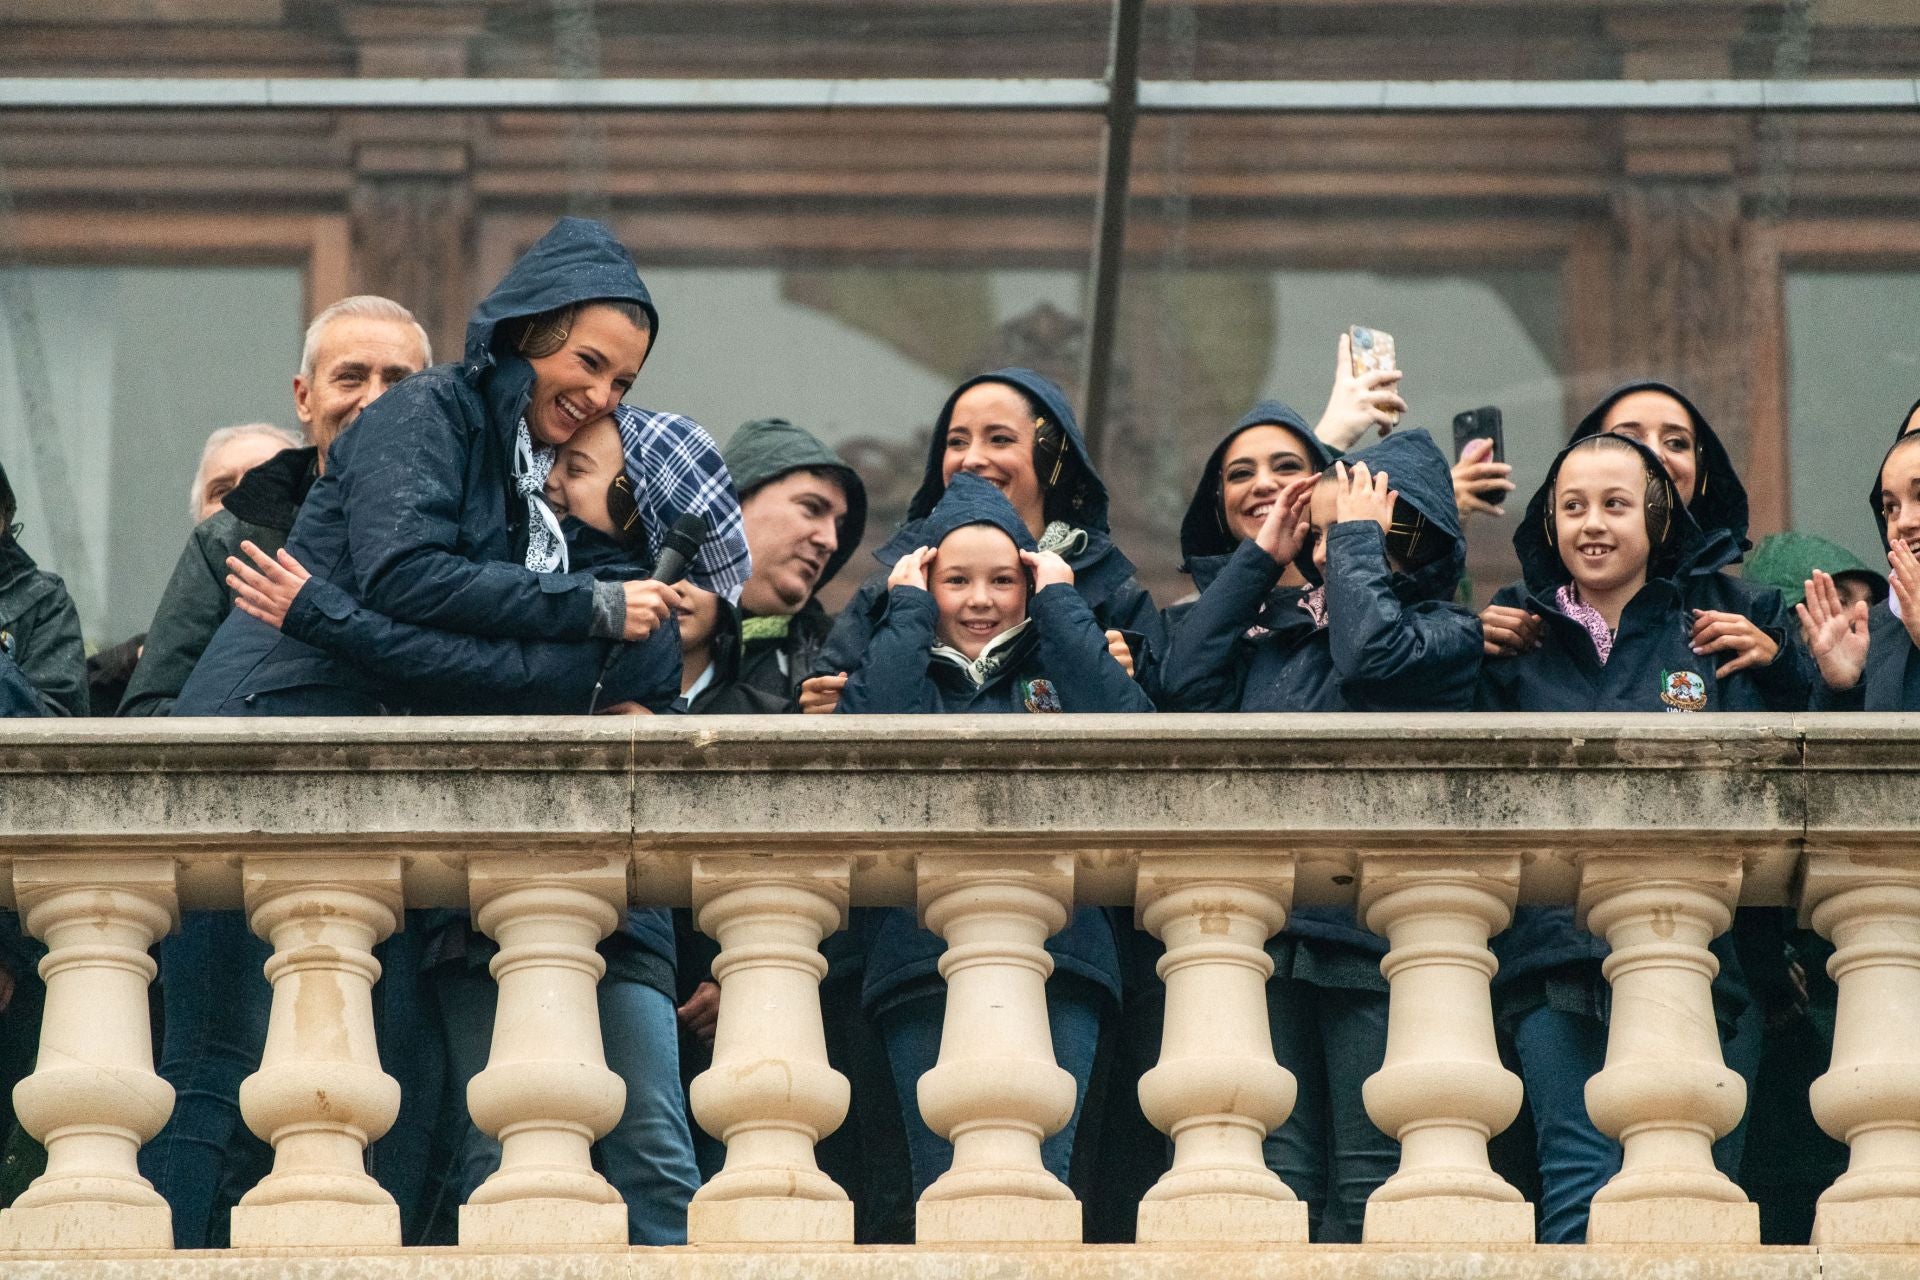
[(546, 545), (991, 659), (1587, 616)]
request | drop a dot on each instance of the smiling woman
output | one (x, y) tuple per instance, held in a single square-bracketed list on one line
[(584, 358)]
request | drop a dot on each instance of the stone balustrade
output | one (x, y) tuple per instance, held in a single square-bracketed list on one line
[(1210, 828)]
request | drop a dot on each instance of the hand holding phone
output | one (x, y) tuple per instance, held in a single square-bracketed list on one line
[(1480, 474), (1372, 351)]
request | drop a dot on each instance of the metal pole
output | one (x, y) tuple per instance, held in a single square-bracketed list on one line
[(1110, 220)]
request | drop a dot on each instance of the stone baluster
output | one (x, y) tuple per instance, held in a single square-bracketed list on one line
[(320, 1095), (93, 1098), (1441, 1090), (546, 1092), (1217, 1091), (1665, 1091), (770, 1094), (996, 1092), (1870, 1096)]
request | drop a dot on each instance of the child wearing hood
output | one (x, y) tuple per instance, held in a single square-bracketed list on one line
[(1607, 547), (1323, 589), (962, 628), (1015, 430), (1749, 623), (1867, 657)]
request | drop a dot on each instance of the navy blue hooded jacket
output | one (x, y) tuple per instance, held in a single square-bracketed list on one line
[(1719, 510), (1060, 662), (454, 673), (1652, 667), (1102, 576), (417, 517), (1891, 681), (1394, 641)]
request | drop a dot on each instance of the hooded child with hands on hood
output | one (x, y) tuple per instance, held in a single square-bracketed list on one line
[(1324, 589), (1014, 429), (1869, 659), (1749, 625), (1606, 546)]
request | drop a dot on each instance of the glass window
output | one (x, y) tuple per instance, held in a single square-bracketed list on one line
[(110, 381), (1853, 368)]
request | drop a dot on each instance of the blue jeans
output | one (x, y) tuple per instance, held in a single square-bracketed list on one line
[(910, 1026), (216, 1004), (648, 1155), (1559, 1052), (1329, 1151)]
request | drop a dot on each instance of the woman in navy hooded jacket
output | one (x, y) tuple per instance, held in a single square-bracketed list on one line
[(1607, 549), (1870, 659), (1363, 623), (430, 514), (1015, 430), (960, 631)]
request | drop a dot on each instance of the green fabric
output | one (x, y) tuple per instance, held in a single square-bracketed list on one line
[(1787, 560), (772, 627)]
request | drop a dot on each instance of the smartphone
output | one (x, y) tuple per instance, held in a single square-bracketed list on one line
[(1372, 349), (1480, 424)]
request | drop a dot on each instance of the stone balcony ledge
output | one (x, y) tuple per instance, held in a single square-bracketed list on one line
[(1212, 828)]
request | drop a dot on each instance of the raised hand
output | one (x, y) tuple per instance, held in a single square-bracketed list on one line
[(1476, 472), (1048, 568), (1369, 399), (1285, 530), (1904, 582), (1360, 494), (910, 570), (1836, 633)]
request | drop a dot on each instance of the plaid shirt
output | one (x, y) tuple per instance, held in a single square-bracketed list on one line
[(676, 469)]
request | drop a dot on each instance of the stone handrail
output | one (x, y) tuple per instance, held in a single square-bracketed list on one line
[(1211, 828)]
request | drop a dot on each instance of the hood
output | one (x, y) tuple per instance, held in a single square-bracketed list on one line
[(1540, 564), (1787, 560), (1900, 427), (1421, 475), (1080, 498), (7, 505), (767, 448), (971, 500), (270, 495), (1203, 532), (1719, 499), (578, 260)]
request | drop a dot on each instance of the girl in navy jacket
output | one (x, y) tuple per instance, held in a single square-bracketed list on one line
[(1868, 658), (1607, 548), (959, 631), (1361, 619)]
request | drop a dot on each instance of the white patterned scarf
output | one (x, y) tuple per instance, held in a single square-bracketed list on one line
[(546, 545)]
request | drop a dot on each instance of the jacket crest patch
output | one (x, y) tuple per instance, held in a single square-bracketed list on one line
[(1040, 695), (1683, 691)]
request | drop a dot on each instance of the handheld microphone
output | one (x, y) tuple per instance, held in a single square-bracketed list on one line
[(682, 544)]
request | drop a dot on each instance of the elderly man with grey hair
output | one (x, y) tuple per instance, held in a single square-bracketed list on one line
[(228, 455), (354, 351)]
